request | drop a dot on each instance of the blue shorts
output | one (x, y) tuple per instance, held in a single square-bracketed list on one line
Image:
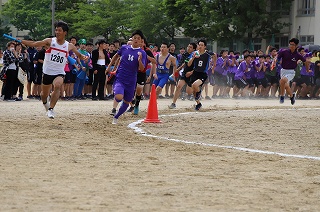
[(162, 79), (126, 90)]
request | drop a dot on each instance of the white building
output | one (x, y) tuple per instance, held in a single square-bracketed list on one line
[(305, 16)]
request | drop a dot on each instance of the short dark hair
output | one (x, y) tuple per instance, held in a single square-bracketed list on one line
[(63, 25), (89, 44), (137, 32), (164, 43), (262, 56), (223, 50), (300, 49), (10, 43), (194, 45), (72, 37), (172, 44), (101, 42), (294, 40), (246, 56), (273, 48), (203, 41), (246, 50)]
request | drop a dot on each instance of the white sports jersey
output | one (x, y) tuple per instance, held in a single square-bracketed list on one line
[(55, 58)]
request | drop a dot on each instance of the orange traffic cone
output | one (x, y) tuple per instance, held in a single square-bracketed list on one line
[(152, 114)]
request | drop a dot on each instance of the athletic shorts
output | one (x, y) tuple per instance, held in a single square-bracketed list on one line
[(141, 78), (126, 90), (240, 83), (264, 82), (250, 82), (67, 78), (162, 79), (287, 73), (198, 76), (48, 79), (273, 79), (306, 80)]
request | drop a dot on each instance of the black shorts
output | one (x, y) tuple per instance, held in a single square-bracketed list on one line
[(186, 79), (67, 78), (111, 80), (220, 80), (48, 79), (250, 82), (198, 76), (272, 79), (306, 80), (240, 83), (141, 78), (264, 82)]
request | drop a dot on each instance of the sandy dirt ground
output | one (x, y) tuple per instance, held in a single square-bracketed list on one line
[(233, 155)]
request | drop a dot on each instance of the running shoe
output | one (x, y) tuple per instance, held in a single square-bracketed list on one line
[(136, 110), (198, 106), (281, 99), (113, 112), (293, 98), (172, 106), (50, 114), (114, 121)]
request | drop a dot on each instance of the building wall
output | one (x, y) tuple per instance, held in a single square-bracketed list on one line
[(305, 25)]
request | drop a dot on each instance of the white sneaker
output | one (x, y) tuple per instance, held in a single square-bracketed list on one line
[(50, 114), (115, 121), (47, 105)]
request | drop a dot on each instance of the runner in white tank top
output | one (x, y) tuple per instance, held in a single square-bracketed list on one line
[(54, 63), (56, 58)]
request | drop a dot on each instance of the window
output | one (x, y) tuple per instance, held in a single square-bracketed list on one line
[(281, 42), (276, 6), (256, 43), (306, 40), (306, 7)]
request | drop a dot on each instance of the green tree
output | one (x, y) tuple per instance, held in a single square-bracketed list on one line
[(30, 15), (228, 20), (150, 17), (3, 30)]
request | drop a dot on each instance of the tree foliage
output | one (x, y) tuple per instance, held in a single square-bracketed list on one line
[(30, 15), (221, 20), (4, 30), (225, 20), (111, 19)]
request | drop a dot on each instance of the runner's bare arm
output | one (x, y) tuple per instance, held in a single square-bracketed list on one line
[(113, 60), (46, 42), (75, 50)]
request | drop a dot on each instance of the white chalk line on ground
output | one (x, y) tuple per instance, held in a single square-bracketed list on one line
[(138, 130)]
